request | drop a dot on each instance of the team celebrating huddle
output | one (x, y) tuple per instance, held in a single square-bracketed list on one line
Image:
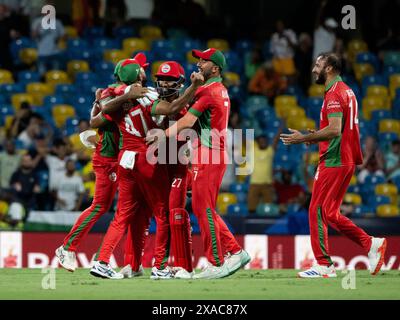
[(132, 127)]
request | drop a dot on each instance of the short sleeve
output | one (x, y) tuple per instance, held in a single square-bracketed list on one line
[(333, 106), (201, 105), (81, 187), (153, 106)]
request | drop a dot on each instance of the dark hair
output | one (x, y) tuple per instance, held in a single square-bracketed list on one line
[(333, 60), (59, 142)]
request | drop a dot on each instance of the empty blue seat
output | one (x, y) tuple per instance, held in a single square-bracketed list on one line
[(160, 45), (28, 76), (52, 100), (362, 211), (233, 62), (103, 66), (82, 77), (368, 57), (372, 80), (105, 44), (374, 201), (123, 32), (256, 102), (396, 181), (238, 187), (243, 46), (354, 189), (71, 126), (19, 44), (65, 89), (7, 90), (77, 43), (239, 210), (185, 45), (82, 105), (169, 55), (93, 32)]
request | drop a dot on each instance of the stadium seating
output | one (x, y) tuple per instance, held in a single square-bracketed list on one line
[(220, 44), (316, 90), (61, 113), (224, 200), (387, 211), (270, 210), (6, 76), (389, 190)]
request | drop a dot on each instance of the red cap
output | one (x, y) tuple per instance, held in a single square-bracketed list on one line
[(141, 60), (170, 69), (211, 54)]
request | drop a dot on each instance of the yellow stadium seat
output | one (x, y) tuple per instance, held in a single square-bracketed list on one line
[(285, 100), (352, 198), (190, 58), (150, 33), (363, 69), (90, 186), (55, 77), (39, 90), (377, 90), (114, 55), (300, 122), (18, 98), (224, 200), (6, 77), (387, 189), (8, 122), (88, 169), (389, 125), (78, 147), (154, 67), (3, 208), (316, 90), (28, 55), (71, 32), (231, 79), (387, 211), (355, 47), (353, 180), (75, 66), (394, 83), (314, 158), (61, 112), (130, 45), (371, 103), (220, 44)]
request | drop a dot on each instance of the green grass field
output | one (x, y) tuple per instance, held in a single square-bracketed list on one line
[(263, 285)]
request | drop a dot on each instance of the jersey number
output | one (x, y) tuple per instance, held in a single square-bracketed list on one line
[(177, 182), (353, 112), (129, 126)]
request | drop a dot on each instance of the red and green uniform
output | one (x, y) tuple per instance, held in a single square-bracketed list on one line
[(145, 183), (105, 168), (338, 158), (211, 106)]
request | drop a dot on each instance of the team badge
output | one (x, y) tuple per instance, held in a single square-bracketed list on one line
[(165, 68), (113, 177)]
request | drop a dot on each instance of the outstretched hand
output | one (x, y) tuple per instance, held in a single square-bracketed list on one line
[(295, 137), (197, 78)]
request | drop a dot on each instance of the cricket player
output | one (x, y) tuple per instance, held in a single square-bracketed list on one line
[(140, 181), (105, 163), (340, 152), (211, 110)]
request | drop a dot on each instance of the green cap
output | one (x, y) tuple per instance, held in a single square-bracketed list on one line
[(128, 71)]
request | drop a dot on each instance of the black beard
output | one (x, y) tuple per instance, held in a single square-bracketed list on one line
[(321, 78)]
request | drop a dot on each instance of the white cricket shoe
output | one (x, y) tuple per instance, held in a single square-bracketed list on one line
[(67, 259), (105, 271), (161, 274), (127, 272), (213, 272), (236, 261), (181, 273), (318, 271), (376, 254)]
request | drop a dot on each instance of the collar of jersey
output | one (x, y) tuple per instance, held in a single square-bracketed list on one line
[(333, 81), (214, 79)]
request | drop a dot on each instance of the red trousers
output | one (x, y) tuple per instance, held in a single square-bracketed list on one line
[(145, 183), (105, 189), (207, 178), (329, 188)]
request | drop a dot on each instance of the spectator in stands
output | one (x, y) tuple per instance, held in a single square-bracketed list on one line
[(69, 189), (373, 163), (261, 181), (9, 162), (283, 43), (25, 184), (47, 43), (28, 135), (267, 82), (84, 155), (303, 60), (393, 160), (57, 162), (253, 62), (324, 32), (21, 119), (14, 213), (287, 191)]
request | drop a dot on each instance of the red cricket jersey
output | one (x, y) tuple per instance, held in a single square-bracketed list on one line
[(340, 101), (107, 148), (133, 121), (212, 106)]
